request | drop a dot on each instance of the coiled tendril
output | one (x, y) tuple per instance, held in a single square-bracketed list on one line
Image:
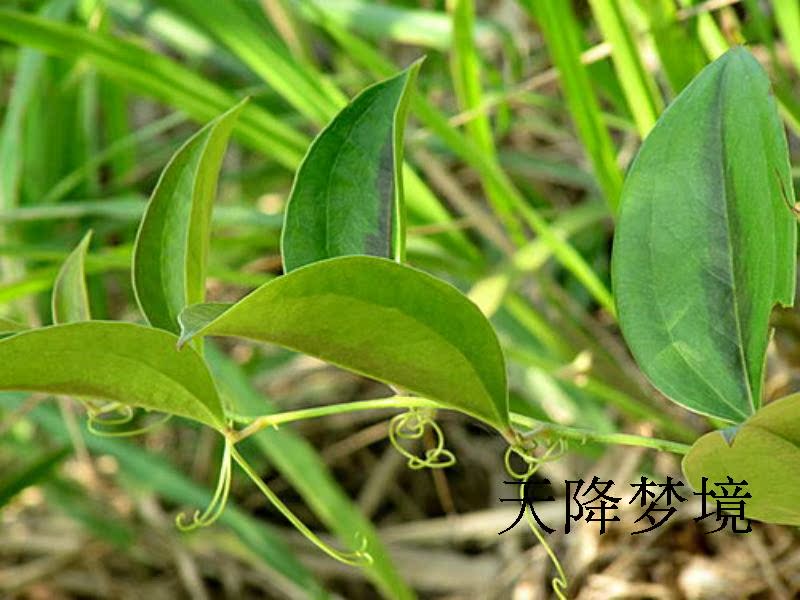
[(121, 414), (124, 413), (218, 500), (532, 463), (411, 426)]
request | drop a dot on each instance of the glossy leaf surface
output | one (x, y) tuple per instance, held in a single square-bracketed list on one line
[(765, 452), (705, 244), (347, 195), (378, 318), (171, 251), (122, 362)]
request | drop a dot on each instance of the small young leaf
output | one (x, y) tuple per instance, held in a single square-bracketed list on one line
[(765, 452), (120, 362), (70, 300), (171, 250), (347, 196), (378, 318), (705, 245)]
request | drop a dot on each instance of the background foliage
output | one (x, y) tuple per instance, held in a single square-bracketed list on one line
[(528, 115)]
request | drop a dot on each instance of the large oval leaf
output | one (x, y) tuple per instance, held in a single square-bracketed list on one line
[(347, 194), (378, 318), (171, 250), (765, 452), (705, 245), (122, 362)]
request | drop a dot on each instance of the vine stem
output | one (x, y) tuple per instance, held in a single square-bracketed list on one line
[(261, 423), (359, 557), (532, 425), (587, 435)]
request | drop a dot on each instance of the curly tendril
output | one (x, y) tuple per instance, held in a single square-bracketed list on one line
[(112, 414), (554, 451), (532, 462), (218, 500), (411, 426), (98, 421)]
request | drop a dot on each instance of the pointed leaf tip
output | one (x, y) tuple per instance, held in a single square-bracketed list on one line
[(171, 249), (347, 197), (70, 298)]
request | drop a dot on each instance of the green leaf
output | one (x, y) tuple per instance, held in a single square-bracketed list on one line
[(70, 300), (764, 451), (378, 318), (492, 175), (705, 244), (120, 362), (348, 195), (171, 250)]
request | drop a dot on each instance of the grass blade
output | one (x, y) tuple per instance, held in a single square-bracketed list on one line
[(640, 89), (31, 474), (562, 33), (301, 85), (413, 26), (157, 76), (787, 16), (680, 54), (465, 67)]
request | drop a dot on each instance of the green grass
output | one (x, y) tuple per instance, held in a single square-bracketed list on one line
[(531, 127)]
